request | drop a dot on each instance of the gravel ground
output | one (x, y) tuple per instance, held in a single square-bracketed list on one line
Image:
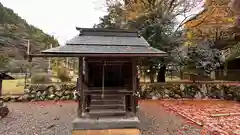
[(48, 118), (156, 120)]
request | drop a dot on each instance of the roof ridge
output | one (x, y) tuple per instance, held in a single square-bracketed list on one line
[(106, 30), (109, 45)]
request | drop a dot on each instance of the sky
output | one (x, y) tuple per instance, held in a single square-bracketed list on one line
[(58, 17)]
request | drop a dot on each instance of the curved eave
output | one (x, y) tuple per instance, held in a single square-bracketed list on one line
[(101, 51), (4, 76)]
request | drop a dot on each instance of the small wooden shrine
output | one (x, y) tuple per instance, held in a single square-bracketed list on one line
[(107, 78), (4, 76)]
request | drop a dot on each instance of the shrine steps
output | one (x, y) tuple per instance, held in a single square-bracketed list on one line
[(107, 112), (102, 102), (107, 106), (111, 104), (106, 96)]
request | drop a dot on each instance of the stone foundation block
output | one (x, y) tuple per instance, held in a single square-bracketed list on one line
[(107, 132), (106, 126)]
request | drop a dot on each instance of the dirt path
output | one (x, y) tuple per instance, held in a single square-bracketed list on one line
[(56, 119)]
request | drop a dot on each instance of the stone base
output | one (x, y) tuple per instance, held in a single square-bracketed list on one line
[(107, 132), (106, 126), (106, 123)]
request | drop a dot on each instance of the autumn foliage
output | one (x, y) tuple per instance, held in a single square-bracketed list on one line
[(236, 6), (215, 20)]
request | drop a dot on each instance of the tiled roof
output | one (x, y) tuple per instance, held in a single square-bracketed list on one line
[(88, 49), (4, 76), (106, 41)]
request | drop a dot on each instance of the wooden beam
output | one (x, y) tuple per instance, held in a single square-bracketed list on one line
[(109, 59), (225, 114), (86, 72), (134, 84), (103, 78), (28, 47), (108, 62), (79, 111), (80, 88)]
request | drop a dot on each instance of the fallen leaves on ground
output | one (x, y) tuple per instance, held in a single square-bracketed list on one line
[(200, 110)]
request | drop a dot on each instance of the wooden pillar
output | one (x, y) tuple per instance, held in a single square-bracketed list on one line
[(86, 83), (134, 84), (80, 88), (86, 72), (28, 65), (103, 79)]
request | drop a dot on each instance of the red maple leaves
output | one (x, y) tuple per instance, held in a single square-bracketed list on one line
[(200, 112)]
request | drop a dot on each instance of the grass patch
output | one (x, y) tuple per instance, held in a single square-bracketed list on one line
[(17, 86), (13, 86)]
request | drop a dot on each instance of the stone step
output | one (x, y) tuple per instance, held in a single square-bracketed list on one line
[(107, 97), (106, 101), (107, 106), (107, 112)]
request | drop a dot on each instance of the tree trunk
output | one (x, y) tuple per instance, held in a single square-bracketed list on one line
[(151, 77), (161, 74), (152, 74), (181, 73)]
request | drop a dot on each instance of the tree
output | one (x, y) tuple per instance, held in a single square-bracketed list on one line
[(4, 61), (212, 22), (17, 66), (202, 60), (235, 6), (105, 22), (113, 20), (157, 22)]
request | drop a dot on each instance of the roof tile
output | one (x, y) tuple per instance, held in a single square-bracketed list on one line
[(102, 49)]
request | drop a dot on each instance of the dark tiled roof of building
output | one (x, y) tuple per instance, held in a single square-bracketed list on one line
[(103, 49), (96, 30), (90, 36), (105, 41), (4, 76)]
